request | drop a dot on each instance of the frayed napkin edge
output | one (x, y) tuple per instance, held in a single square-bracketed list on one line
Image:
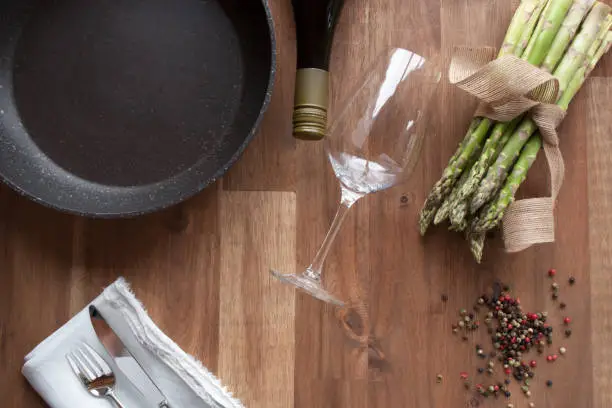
[(148, 326)]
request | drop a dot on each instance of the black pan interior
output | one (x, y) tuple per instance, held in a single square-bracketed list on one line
[(114, 108)]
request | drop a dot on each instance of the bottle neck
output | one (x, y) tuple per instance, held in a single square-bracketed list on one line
[(315, 26), (311, 104), (316, 22)]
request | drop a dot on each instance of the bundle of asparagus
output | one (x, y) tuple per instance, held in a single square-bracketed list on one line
[(564, 37)]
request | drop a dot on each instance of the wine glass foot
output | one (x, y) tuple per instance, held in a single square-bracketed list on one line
[(308, 285)]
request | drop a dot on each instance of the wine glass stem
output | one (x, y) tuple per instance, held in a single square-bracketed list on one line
[(346, 203)]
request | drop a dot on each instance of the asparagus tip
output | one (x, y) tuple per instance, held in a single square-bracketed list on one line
[(477, 241)]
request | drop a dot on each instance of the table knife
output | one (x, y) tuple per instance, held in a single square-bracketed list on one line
[(113, 344)]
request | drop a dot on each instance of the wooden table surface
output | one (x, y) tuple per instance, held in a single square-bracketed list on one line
[(201, 268)]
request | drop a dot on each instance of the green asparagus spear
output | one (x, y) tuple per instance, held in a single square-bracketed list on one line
[(437, 194), (458, 206), (532, 39), (494, 212), (499, 136), (595, 48), (566, 23), (602, 51), (518, 24), (459, 227), (530, 28), (445, 185), (574, 57), (458, 214), (477, 241), (474, 139), (554, 17), (566, 33), (594, 56), (445, 209)]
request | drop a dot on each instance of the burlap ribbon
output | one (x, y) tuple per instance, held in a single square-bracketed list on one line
[(508, 87)]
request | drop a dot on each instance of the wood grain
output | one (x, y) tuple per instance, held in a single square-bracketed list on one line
[(257, 313), (201, 268), (599, 145)]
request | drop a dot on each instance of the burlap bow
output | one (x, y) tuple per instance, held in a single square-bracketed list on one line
[(508, 87)]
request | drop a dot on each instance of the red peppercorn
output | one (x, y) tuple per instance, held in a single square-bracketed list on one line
[(552, 272), (496, 388), (533, 364), (507, 298), (508, 371), (567, 320), (549, 358), (527, 340), (555, 357), (510, 326)]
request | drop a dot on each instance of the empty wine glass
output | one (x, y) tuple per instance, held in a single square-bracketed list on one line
[(374, 143)]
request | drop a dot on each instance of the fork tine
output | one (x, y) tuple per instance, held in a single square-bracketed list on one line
[(97, 359), (83, 369), (89, 363), (73, 365)]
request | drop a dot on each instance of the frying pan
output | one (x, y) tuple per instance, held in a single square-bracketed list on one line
[(117, 108)]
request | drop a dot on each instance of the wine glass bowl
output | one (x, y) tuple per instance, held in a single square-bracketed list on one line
[(378, 135), (374, 143)]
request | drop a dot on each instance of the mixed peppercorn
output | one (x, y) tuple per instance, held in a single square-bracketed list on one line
[(514, 333)]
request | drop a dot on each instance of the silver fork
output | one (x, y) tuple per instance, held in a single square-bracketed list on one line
[(95, 373)]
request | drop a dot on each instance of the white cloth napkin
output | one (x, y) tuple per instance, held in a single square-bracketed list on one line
[(184, 381)]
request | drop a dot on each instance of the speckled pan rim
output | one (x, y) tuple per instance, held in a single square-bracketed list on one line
[(189, 191)]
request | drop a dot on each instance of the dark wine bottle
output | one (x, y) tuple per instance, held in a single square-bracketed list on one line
[(315, 24)]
